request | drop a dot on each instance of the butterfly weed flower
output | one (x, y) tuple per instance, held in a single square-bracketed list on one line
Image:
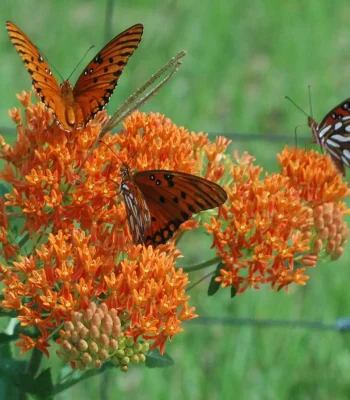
[(274, 227), (78, 251), (321, 187)]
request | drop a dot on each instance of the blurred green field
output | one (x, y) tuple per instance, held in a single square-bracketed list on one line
[(244, 57)]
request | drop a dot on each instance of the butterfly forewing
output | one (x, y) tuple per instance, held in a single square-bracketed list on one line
[(335, 138), (172, 198), (97, 82), (138, 215), (338, 112), (44, 82)]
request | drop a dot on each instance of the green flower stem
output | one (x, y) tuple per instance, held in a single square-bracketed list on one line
[(202, 265)]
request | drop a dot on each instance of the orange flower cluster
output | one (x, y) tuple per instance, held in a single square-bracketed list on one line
[(269, 224), (321, 187), (81, 250)]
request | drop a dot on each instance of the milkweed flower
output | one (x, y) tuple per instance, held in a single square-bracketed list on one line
[(81, 254), (275, 227)]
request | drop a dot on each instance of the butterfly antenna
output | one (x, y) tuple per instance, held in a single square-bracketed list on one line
[(53, 67), (310, 102), (91, 47), (296, 105)]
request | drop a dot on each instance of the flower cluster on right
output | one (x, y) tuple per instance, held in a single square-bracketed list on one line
[(274, 227)]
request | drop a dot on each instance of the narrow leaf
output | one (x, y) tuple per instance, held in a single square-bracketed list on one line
[(156, 360), (214, 286)]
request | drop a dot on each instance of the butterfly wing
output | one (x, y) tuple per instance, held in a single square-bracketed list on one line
[(137, 212), (172, 198), (99, 79), (335, 139), (44, 82), (338, 112)]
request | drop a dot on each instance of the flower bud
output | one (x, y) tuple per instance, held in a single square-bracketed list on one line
[(94, 332), (134, 359), (83, 346), (129, 351), (104, 340), (103, 307), (97, 364), (319, 224), (96, 320), (330, 246), (86, 358), (103, 354), (81, 366), (113, 344), (93, 347), (142, 357), (317, 246), (323, 234), (337, 253), (68, 326)]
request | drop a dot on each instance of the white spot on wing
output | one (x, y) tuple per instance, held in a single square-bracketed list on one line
[(346, 154), (345, 161), (338, 125), (330, 142), (324, 130), (341, 138)]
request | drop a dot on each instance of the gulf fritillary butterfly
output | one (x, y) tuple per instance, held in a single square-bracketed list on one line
[(75, 107), (159, 201), (333, 134)]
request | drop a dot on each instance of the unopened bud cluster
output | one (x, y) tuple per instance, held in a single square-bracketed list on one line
[(332, 231), (94, 336)]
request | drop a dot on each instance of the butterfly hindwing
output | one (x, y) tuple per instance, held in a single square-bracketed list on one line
[(97, 82), (44, 82), (172, 198)]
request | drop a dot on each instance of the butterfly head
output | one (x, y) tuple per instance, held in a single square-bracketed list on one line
[(67, 91), (125, 170)]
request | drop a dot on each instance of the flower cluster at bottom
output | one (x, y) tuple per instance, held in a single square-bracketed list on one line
[(94, 336)]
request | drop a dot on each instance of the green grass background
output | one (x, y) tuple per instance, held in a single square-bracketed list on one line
[(244, 57)]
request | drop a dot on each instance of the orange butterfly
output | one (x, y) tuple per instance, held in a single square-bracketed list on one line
[(158, 202), (75, 107)]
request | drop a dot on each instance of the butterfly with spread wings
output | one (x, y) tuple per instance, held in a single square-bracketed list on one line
[(73, 108), (159, 201)]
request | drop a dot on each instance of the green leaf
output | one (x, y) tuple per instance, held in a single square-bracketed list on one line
[(79, 376), (5, 338), (214, 286), (8, 390), (12, 367), (43, 386), (3, 189), (156, 360), (233, 292), (10, 314)]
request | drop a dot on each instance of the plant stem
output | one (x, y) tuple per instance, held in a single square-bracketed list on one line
[(202, 265)]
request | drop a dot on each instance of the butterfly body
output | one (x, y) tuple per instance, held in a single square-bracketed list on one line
[(159, 201), (73, 108)]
